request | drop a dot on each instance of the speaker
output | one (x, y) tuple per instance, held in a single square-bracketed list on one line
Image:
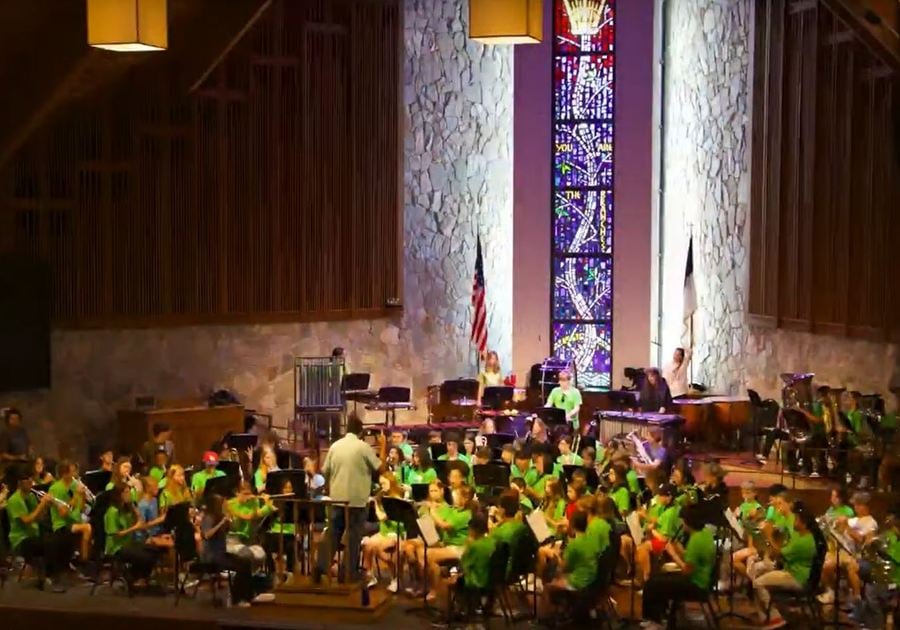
[(24, 324)]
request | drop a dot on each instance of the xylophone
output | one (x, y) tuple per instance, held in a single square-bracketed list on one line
[(611, 423)]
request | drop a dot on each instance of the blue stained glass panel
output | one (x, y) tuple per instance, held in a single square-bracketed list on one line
[(582, 222), (584, 87), (582, 288), (584, 155), (589, 346)]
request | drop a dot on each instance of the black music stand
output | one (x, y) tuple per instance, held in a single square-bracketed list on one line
[(403, 513), (389, 400), (493, 475), (499, 440), (355, 388), (276, 479), (552, 417), (231, 469), (419, 492), (97, 480), (242, 441), (497, 397), (623, 398), (442, 467), (437, 450), (591, 476), (223, 486)]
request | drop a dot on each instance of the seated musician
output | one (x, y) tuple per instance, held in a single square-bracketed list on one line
[(683, 480), (553, 506), (659, 458), (523, 466), (160, 465), (413, 548), (121, 476), (750, 514), (525, 504), (619, 492), (859, 530), (661, 522), (566, 397), (214, 530), (776, 520), (566, 456), (542, 467), (795, 556), (469, 447), (315, 482), (676, 372), (490, 375), (575, 490), (508, 455), (121, 523), (821, 424), (421, 469), (505, 524), (475, 561), (578, 561), (152, 533), (398, 439), (453, 454), (696, 562), (452, 523), (396, 463), (712, 486), (268, 462), (377, 547), (457, 475), (280, 537), (246, 510), (840, 505), (589, 458), (25, 512), (198, 481), (65, 514), (175, 491), (655, 394), (39, 473)]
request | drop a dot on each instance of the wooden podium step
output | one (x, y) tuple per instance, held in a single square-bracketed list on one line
[(335, 603)]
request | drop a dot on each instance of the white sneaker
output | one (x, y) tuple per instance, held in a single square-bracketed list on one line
[(392, 587), (827, 597), (264, 598), (373, 581)]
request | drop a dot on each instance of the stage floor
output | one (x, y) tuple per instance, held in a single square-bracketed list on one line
[(22, 606)]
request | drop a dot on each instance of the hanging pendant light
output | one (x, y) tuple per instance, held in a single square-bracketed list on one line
[(128, 25), (585, 16), (506, 21)]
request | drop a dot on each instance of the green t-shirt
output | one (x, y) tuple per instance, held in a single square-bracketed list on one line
[(655, 508), (581, 561), (17, 507), (555, 512), (166, 499), (687, 495), (157, 473), (818, 410), (135, 495), (259, 482), (889, 421), (459, 458), (114, 522), (509, 532), (622, 499), (567, 401), (525, 503), (242, 527), (747, 509), (407, 450), (571, 459), (459, 525), (798, 555), (780, 522), (59, 490), (633, 484), (538, 483), (476, 562), (598, 530), (892, 546), (415, 476), (856, 419), (701, 555), (840, 510), (669, 520), (198, 481), (529, 474)]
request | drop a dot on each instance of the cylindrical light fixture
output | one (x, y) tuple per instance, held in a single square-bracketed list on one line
[(506, 21), (128, 25)]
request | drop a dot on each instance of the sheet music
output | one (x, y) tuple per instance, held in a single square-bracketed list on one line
[(428, 530), (735, 523), (633, 521), (538, 525), (643, 455)]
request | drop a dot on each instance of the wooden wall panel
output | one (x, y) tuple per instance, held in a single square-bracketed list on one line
[(824, 201), (269, 192)]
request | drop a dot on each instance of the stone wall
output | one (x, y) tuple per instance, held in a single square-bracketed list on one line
[(707, 194), (458, 181)]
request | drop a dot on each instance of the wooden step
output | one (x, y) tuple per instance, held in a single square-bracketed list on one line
[(339, 603)]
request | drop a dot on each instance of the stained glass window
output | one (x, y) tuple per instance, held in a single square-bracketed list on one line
[(583, 120)]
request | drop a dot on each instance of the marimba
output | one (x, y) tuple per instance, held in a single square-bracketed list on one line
[(611, 423)]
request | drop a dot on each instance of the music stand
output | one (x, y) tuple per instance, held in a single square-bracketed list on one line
[(721, 523), (499, 440), (223, 486), (276, 479), (623, 398), (242, 441), (442, 468), (403, 513), (97, 480), (591, 476), (552, 417), (437, 449), (419, 492), (491, 475), (231, 469), (497, 397)]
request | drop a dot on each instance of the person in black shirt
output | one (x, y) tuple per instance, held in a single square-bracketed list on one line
[(655, 395), (15, 445)]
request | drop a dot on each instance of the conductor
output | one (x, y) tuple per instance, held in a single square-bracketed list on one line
[(348, 470)]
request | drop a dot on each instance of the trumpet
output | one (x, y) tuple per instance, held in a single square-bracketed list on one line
[(59, 502), (88, 495)]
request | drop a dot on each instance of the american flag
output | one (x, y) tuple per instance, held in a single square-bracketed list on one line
[(479, 315)]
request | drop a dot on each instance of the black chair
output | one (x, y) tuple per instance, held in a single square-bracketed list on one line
[(804, 598), (523, 556), (708, 600), (103, 564), (188, 564)]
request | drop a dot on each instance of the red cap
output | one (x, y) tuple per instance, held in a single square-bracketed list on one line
[(210, 457)]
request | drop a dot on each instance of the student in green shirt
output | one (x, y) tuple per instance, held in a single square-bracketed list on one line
[(505, 526), (280, 536), (453, 454), (25, 511), (839, 505), (578, 562), (398, 439), (422, 469), (525, 504), (662, 522), (198, 481), (378, 546), (452, 524), (175, 491), (268, 462), (619, 492), (553, 506), (742, 557), (65, 512), (566, 456), (160, 465), (543, 471), (120, 522), (750, 510), (121, 476), (522, 467), (246, 511), (475, 561), (697, 563), (797, 556), (566, 397)]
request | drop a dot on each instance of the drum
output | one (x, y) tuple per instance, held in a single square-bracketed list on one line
[(696, 415), (729, 414)]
